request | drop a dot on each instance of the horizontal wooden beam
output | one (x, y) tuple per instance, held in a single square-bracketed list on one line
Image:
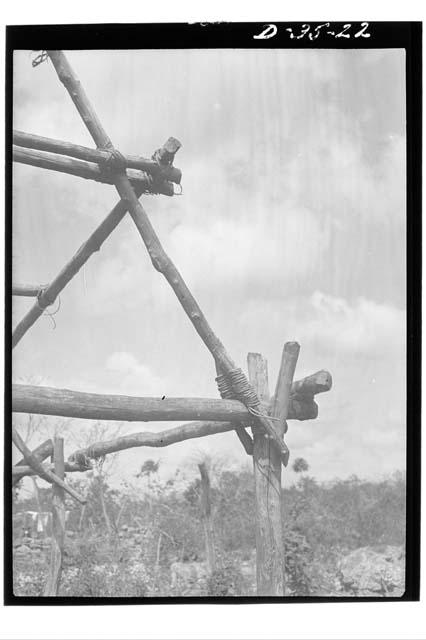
[(157, 169), (132, 409), (142, 439), (19, 472), (27, 290), (318, 382), (92, 406), (87, 170)]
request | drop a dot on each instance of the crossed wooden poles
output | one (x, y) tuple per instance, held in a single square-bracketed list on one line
[(243, 403)]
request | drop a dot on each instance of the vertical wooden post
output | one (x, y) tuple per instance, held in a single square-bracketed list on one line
[(267, 473), (267, 479), (58, 522), (157, 559), (100, 480), (39, 508), (206, 515), (283, 386), (80, 522)]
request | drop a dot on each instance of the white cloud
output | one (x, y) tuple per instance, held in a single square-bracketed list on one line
[(134, 377), (372, 452), (281, 197), (361, 327), (333, 173), (223, 253)]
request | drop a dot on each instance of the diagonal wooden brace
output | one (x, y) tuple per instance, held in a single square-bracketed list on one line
[(43, 451), (49, 292), (45, 474), (159, 258), (283, 387)]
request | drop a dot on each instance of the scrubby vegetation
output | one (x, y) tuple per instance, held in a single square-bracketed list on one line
[(124, 541)]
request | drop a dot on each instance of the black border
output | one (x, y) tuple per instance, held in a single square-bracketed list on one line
[(406, 35)]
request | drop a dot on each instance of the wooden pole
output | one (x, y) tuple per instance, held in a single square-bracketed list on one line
[(43, 451), (157, 558), (91, 246), (87, 170), (87, 249), (318, 382), (27, 290), (135, 409), (206, 516), (101, 487), (160, 171), (39, 507), (160, 260), (58, 522), (267, 478), (267, 473), (25, 470), (37, 466), (281, 405), (94, 406)]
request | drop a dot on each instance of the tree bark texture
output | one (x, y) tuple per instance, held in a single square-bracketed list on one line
[(93, 406), (207, 519), (58, 522), (160, 171), (267, 478), (160, 260), (87, 170)]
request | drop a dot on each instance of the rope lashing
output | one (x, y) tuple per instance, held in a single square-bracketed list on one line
[(224, 387), (259, 414), (40, 58), (115, 162), (43, 301), (235, 386)]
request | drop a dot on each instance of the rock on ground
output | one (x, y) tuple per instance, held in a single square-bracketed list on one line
[(374, 571)]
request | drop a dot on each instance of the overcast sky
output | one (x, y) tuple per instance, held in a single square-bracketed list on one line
[(291, 226)]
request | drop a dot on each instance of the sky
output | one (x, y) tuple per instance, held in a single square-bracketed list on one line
[(291, 226)]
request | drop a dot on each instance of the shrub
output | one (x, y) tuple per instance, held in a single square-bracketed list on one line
[(298, 557), (225, 581)]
